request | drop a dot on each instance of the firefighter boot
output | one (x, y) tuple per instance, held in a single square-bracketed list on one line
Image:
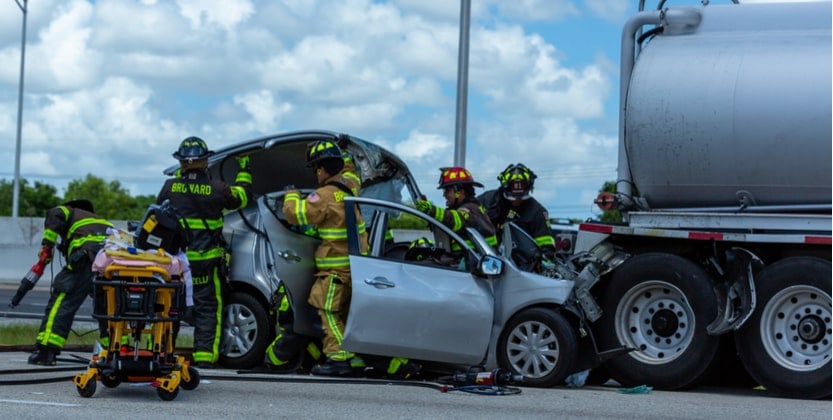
[(44, 356), (333, 368)]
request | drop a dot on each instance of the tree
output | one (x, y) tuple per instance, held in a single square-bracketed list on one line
[(613, 215), (34, 201), (111, 200)]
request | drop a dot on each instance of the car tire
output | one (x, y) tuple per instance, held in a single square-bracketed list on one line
[(246, 331), (539, 344), (785, 345), (658, 304)]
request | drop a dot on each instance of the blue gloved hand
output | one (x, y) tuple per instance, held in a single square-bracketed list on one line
[(547, 264), (424, 205)]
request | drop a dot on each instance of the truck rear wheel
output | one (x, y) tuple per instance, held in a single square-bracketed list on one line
[(246, 331), (659, 305), (785, 345)]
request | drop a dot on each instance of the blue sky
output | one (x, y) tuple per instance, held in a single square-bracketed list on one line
[(111, 87)]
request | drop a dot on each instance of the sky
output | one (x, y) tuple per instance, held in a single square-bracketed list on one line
[(112, 86)]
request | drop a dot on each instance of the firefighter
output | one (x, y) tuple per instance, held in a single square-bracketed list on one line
[(290, 352), (513, 202), (201, 202), (323, 209), (462, 208), (82, 235)]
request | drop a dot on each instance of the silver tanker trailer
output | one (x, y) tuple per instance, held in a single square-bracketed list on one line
[(725, 191)]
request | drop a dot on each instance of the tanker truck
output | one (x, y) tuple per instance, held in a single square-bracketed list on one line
[(724, 187)]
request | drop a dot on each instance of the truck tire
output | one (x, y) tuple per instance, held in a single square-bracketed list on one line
[(658, 304), (246, 331), (539, 344), (785, 345)]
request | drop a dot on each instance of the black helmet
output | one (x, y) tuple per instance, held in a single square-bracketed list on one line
[(80, 203), (516, 181), (321, 150), (192, 148), (420, 249)]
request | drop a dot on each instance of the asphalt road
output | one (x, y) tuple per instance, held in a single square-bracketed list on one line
[(219, 395)]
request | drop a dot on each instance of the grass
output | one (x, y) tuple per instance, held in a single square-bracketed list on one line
[(19, 333)]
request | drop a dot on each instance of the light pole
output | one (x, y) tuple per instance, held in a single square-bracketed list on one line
[(462, 85), (16, 188)]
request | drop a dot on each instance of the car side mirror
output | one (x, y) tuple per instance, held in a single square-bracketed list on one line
[(490, 266)]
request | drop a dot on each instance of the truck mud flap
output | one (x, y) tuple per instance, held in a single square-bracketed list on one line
[(735, 291)]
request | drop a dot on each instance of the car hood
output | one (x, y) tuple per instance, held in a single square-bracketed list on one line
[(279, 160)]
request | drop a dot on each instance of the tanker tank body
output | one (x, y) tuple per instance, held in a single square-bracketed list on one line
[(725, 193), (736, 111)]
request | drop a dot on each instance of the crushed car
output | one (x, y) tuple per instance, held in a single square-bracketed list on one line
[(458, 303)]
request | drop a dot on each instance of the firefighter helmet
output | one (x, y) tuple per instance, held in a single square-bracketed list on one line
[(191, 149), (420, 249), (321, 150), (516, 181), (80, 203), (456, 176)]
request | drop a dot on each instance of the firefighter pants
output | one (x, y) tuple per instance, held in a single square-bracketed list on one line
[(287, 346), (69, 289), (330, 294), (208, 309)]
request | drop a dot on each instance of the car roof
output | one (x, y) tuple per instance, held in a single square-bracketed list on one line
[(279, 160)]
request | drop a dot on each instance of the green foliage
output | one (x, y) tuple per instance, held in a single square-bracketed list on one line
[(34, 201), (406, 221), (111, 200), (610, 216)]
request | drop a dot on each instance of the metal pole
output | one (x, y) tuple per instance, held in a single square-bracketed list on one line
[(16, 192), (462, 85)]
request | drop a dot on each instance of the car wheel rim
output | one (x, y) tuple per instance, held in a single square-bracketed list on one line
[(796, 328), (655, 318), (239, 330), (532, 349)]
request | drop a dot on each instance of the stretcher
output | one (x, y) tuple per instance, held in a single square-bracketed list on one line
[(143, 293)]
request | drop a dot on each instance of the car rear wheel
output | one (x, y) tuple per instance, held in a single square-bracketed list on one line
[(540, 345), (246, 331)]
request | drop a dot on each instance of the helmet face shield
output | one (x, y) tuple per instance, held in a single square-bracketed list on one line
[(516, 189), (516, 181)]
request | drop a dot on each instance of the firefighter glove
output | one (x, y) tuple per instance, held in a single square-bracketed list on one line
[(424, 205), (547, 264), (45, 254)]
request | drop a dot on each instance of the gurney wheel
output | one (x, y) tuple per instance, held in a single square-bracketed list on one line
[(88, 390), (191, 385), (165, 395)]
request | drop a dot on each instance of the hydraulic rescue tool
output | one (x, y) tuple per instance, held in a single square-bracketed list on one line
[(31, 278)]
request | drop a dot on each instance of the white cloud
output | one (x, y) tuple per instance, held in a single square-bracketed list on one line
[(132, 78)]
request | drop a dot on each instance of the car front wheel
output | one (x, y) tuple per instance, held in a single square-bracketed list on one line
[(246, 331), (540, 345)]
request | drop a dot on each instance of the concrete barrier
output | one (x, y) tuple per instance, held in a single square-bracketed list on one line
[(19, 245)]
